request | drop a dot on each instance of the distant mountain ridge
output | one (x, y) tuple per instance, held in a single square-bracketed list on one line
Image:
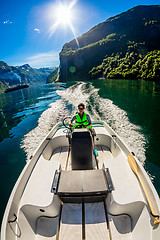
[(12, 76), (137, 29)]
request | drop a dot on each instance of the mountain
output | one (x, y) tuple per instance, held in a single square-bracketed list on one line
[(118, 47), (12, 76), (53, 77), (47, 70)]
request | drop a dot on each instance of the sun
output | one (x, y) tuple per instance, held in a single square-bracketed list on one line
[(64, 15)]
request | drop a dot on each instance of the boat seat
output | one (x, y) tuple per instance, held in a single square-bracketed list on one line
[(82, 185), (127, 196), (81, 150), (37, 192), (37, 199)]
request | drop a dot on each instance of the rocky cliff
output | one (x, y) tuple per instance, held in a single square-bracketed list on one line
[(137, 29)]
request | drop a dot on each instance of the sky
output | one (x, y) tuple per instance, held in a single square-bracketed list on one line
[(34, 31)]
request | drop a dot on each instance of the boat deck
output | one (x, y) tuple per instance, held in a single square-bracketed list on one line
[(52, 202), (62, 155), (84, 220)]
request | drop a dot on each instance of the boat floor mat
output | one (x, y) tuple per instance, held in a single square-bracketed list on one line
[(83, 221), (71, 222), (95, 222)]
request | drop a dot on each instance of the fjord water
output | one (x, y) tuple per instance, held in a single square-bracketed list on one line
[(130, 107)]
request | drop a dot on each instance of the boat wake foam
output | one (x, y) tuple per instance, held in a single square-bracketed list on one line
[(98, 108), (104, 110), (55, 113)]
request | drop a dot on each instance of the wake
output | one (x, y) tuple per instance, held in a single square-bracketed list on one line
[(98, 108)]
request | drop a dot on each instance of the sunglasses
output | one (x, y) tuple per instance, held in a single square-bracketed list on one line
[(81, 108)]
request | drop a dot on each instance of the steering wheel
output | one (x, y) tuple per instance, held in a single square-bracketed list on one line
[(66, 124)]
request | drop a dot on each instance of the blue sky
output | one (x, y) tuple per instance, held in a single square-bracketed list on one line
[(31, 32)]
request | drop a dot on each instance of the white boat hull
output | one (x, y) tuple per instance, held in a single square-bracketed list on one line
[(35, 211)]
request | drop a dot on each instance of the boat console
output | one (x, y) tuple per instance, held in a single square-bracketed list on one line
[(81, 150)]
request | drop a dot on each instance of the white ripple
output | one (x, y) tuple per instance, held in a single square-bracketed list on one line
[(98, 108)]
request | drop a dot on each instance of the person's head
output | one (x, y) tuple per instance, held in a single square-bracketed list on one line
[(81, 107)]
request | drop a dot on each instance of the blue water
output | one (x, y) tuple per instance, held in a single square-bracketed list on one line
[(131, 108), (19, 114)]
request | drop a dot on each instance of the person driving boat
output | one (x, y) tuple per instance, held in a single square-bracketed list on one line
[(83, 120)]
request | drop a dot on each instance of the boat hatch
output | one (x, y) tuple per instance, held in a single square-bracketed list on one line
[(82, 185)]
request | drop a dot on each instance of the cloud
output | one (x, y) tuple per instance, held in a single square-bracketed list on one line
[(37, 30), (7, 22), (44, 59)]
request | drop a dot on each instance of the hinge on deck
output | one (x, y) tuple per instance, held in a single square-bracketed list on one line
[(55, 181), (109, 180)]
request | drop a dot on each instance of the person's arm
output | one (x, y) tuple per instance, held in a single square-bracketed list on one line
[(70, 122), (89, 121)]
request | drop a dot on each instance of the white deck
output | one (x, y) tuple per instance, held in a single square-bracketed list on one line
[(70, 225), (123, 215)]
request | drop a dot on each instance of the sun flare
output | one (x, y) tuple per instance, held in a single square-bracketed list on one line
[(64, 15)]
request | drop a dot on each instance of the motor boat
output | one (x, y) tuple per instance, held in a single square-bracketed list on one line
[(67, 192), (20, 86)]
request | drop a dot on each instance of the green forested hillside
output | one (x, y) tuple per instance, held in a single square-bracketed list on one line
[(132, 66), (125, 46), (53, 76)]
